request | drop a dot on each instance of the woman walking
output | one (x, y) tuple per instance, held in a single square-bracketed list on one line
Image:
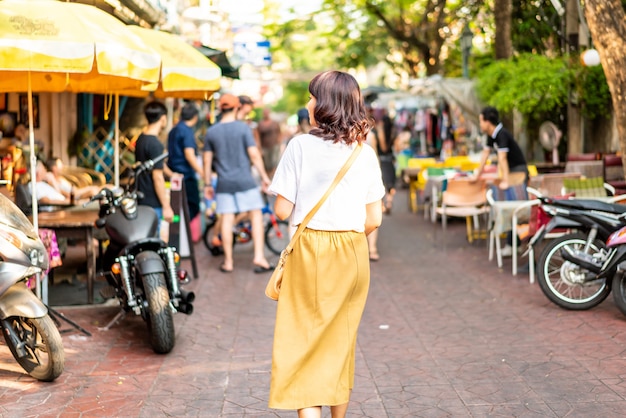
[(327, 277)]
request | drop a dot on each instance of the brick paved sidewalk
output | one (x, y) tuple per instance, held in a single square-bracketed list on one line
[(444, 334)]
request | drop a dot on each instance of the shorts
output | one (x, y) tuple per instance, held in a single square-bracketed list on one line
[(239, 202)]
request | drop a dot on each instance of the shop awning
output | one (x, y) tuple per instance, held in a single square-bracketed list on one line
[(220, 58)]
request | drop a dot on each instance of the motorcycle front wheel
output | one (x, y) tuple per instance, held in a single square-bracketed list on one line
[(158, 313), (564, 282), (44, 357), (277, 236)]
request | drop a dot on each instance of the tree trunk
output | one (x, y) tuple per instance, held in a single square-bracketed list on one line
[(503, 10), (574, 118), (608, 32)]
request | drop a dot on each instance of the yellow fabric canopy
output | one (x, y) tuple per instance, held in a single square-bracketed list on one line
[(70, 47), (185, 72)]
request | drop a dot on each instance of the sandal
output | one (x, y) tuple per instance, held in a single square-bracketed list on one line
[(225, 270), (261, 269), (374, 257)]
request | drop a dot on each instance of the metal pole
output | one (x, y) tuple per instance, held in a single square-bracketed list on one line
[(466, 48), (465, 54), (116, 152)]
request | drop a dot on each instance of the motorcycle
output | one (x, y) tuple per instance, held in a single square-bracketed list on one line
[(140, 267), (575, 271), (617, 242), (28, 330), (610, 265)]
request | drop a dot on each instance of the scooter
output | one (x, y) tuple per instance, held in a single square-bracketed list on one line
[(574, 270), (139, 266), (28, 330)]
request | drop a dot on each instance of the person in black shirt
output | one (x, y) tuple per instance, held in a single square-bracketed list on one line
[(148, 147), (510, 156)]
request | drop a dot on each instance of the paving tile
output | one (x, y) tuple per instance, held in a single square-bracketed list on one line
[(555, 389), (484, 393), (562, 369), (445, 333), (588, 409), (532, 409), (617, 385)]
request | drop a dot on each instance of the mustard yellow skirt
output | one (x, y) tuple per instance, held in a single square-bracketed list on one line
[(317, 318)]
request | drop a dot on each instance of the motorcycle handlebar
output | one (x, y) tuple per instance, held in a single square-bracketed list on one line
[(149, 164), (104, 193), (130, 190)]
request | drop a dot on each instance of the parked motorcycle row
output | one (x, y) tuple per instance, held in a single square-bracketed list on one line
[(578, 269), (140, 268)]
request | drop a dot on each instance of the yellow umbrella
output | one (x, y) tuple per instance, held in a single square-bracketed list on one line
[(70, 47), (52, 46), (185, 72)]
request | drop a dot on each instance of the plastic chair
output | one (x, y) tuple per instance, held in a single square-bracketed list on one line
[(430, 199), (507, 208), (416, 185), (552, 184), (464, 199), (585, 188), (614, 172), (84, 176)]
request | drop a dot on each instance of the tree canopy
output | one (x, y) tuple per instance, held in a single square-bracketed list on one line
[(409, 35), (421, 37)]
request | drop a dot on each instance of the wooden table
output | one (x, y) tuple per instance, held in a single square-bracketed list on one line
[(76, 224), (544, 167)]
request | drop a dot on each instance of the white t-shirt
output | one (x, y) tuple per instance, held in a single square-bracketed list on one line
[(44, 190), (307, 169)]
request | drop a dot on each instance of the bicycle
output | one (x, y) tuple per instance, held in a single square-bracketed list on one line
[(276, 233)]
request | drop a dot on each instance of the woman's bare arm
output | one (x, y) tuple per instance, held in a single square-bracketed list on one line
[(373, 216), (282, 207)]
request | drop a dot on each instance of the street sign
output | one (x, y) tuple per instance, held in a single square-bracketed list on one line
[(255, 53)]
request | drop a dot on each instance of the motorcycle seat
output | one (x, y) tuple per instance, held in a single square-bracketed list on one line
[(590, 204)]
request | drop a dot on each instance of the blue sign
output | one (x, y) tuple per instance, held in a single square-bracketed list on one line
[(255, 53)]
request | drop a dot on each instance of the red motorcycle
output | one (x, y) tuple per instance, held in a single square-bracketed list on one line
[(617, 245)]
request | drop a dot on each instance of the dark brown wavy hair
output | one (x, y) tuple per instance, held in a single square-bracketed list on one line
[(339, 113)]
